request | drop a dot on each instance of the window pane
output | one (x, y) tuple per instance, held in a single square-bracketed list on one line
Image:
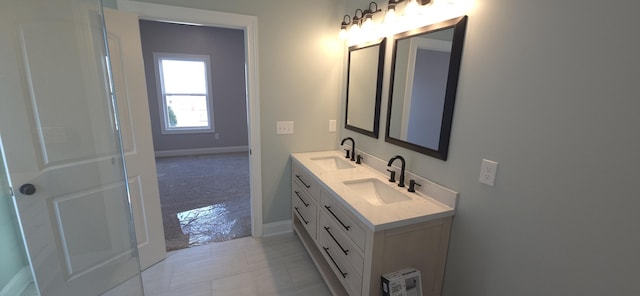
[(187, 111), (186, 77)]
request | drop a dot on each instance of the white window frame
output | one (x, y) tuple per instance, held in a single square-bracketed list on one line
[(164, 116)]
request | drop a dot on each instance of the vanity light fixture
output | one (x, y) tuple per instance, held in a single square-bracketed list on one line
[(346, 20), (391, 16), (399, 16), (414, 7), (360, 19), (355, 22), (368, 15)]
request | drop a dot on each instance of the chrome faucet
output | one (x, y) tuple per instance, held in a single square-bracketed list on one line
[(401, 180), (353, 148)]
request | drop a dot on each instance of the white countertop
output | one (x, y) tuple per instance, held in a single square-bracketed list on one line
[(420, 206)]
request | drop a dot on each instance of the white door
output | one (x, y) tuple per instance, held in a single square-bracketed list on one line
[(125, 51), (62, 147)]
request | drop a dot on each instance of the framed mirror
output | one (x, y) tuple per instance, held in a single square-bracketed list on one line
[(364, 87), (422, 90)]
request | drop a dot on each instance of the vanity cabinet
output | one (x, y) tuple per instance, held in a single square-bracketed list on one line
[(350, 255)]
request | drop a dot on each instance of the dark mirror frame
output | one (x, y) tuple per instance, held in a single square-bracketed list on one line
[(381, 43), (459, 27)]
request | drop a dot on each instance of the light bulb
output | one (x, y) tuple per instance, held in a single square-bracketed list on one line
[(412, 8), (367, 25), (390, 17), (353, 30), (343, 33)]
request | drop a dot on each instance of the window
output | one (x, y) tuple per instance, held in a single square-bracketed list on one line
[(183, 88)]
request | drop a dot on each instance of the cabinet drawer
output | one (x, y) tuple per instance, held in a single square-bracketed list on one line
[(306, 212), (332, 234), (339, 215), (350, 278), (306, 181), (301, 195)]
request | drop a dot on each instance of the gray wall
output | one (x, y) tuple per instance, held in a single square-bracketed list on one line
[(550, 91), (109, 3), (225, 47)]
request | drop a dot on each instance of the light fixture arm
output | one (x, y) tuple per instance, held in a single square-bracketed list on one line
[(369, 12), (373, 10), (346, 20), (355, 20), (393, 3)]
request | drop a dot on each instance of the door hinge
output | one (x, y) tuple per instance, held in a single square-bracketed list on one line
[(11, 191)]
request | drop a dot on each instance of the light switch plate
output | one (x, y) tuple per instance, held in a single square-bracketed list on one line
[(488, 172), (284, 127), (332, 125)]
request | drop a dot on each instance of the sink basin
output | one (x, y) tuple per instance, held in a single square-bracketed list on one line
[(375, 191), (331, 163)]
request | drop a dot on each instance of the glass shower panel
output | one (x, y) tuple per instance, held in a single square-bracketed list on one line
[(15, 273), (63, 149)]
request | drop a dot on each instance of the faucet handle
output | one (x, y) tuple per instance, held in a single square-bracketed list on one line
[(392, 177), (359, 159), (347, 151), (412, 185)]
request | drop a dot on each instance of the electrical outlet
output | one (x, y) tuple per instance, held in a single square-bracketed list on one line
[(332, 125), (488, 172), (284, 127)]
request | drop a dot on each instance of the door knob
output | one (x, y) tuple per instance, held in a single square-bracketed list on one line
[(27, 189)]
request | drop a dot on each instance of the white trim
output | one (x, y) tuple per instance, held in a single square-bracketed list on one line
[(275, 228), (249, 24), (18, 283), (201, 151)]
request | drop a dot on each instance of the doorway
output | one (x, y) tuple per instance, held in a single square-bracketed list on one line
[(248, 24), (196, 88)]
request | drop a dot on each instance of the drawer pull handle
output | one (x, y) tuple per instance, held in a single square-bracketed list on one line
[(326, 250), (303, 219), (334, 215), (303, 183), (346, 252), (306, 205)]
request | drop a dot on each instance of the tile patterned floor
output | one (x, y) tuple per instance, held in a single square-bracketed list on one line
[(276, 265)]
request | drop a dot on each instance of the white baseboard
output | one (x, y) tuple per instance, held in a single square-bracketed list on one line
[(18, 283), (199, 151), (276, 228)]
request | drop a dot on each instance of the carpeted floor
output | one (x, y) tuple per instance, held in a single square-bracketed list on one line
[(204, 198)]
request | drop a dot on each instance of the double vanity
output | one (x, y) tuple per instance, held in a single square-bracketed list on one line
[(358, 225), (360, 218)]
